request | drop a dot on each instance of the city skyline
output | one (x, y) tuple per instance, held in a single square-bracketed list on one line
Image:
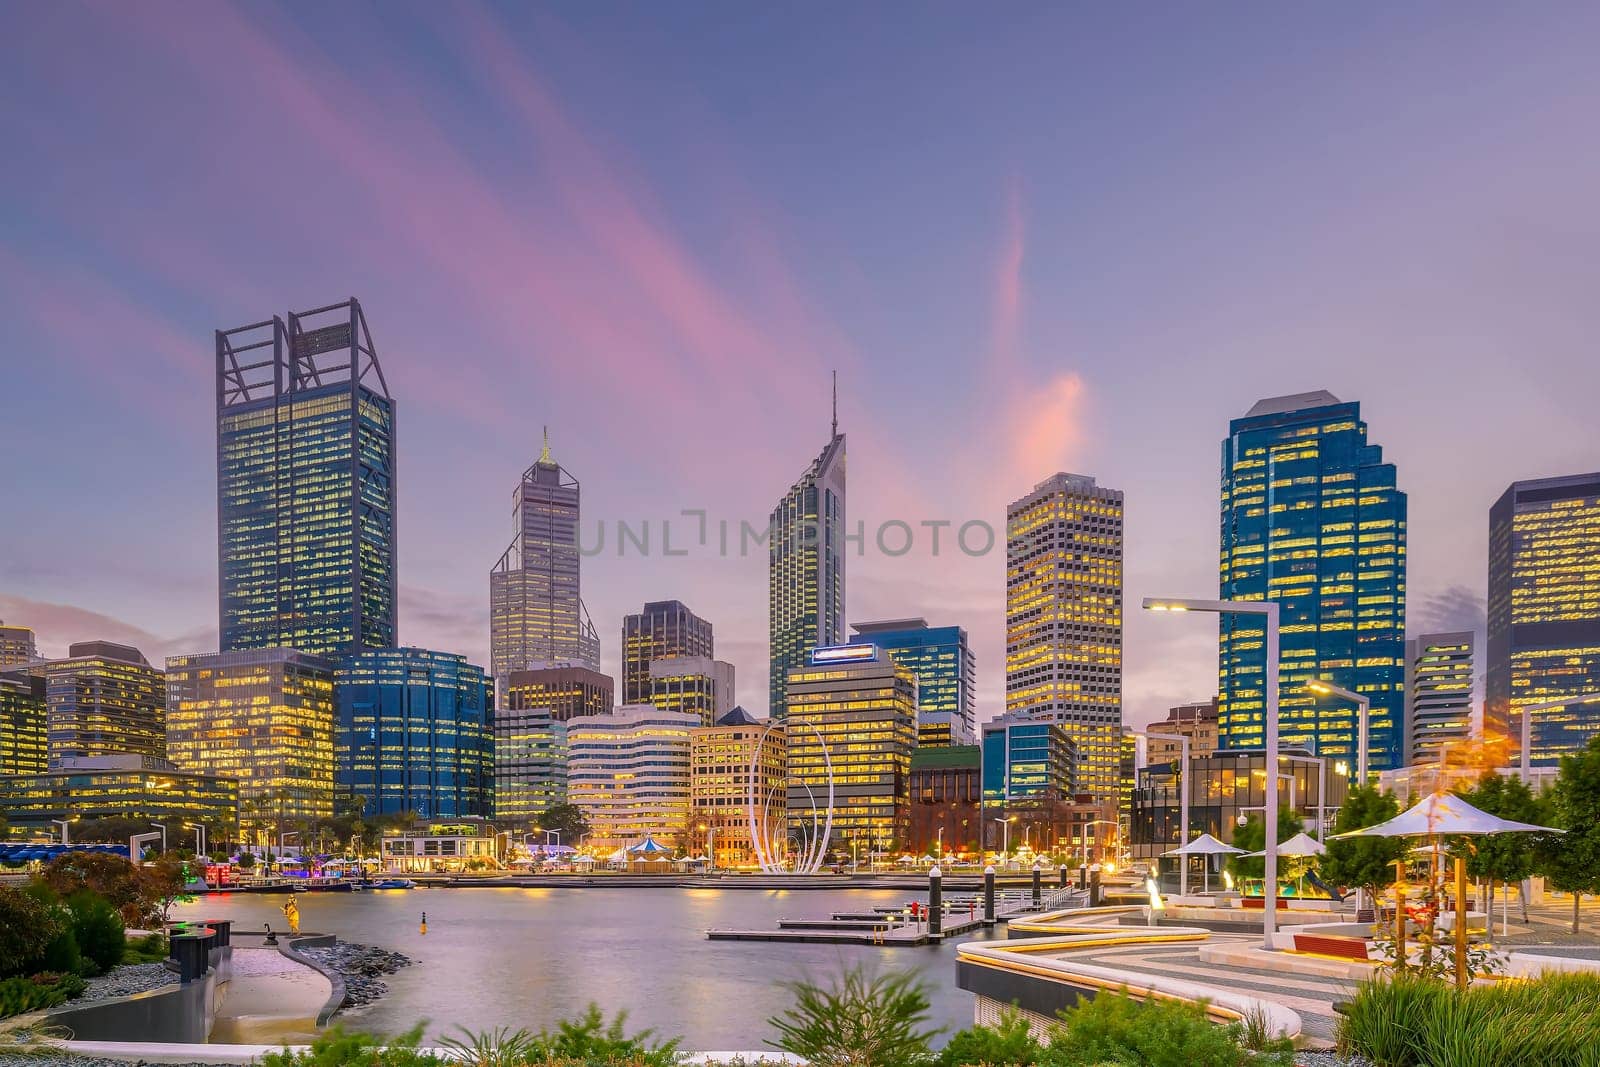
[(1039, 363)]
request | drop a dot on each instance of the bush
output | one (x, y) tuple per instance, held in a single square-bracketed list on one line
[(151, 948), (864, 1022), (98, 930), (46, 990), (27, 927), (1009, 1043), (1118, 1029), (588, 1041)]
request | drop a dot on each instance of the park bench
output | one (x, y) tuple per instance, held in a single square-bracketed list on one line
[(1349, 948)]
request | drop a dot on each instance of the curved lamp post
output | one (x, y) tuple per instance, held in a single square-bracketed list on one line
[(1363, 720)]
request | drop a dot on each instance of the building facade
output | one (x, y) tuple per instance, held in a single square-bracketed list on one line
[(16, 645), (629, 772), (1544, 612), (805, 568), (305, 486), (1312, 519), (1439, 672), (945, 669), (721, 758), (1026, 760), (694, 684), (854, 708), (263, 717), (946, 808), (1198, 722), (126, 786), (1064, 619), (537, 617), (24, 730), (414, 732), (566, 693), (530, 765), (665, 629), (105, 699)]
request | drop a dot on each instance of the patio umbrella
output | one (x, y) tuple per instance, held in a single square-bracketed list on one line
[(1301, 844), (649, 847), (1206, 845)]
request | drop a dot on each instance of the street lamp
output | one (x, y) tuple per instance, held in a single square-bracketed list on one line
[(1363, 720), (163, 829), (1005, 849), (1527, 725), (1087, 835), (1268, 610), (1322, 789), (199, 839), (1183, 802), (64, 823)]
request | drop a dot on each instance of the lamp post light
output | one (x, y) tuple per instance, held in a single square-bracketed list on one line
[(1363, 720), (1527, 725), (1086, 835), (199, 839), (1183, 802), (163, 829), (63, 823), (1322, 789), (1268, 610)]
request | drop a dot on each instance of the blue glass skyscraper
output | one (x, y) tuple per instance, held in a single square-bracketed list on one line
[(1312, 518), (944, 666), (414, 732)]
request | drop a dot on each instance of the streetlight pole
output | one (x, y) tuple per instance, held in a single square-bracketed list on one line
[(1005, 849), (1183, 804), (163, 829), (1527, 725), (63, 823), (1363, 720), (1268, 610), (1322, 790), (199, 839)]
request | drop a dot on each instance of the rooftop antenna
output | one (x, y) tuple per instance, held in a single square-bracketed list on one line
[(836, 403), (544, 457)]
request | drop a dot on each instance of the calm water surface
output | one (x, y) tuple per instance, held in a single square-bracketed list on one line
[(528, 957)]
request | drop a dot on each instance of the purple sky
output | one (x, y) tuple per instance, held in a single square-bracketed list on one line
[(1056, 239)]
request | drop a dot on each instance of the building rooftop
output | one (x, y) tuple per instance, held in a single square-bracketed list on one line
[(928, 759), (1279, 405), (738, 717), (889, 625)]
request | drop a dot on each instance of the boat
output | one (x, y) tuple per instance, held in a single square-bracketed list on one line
[(394, 883)]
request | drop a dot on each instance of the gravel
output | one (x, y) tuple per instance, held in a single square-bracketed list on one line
[(127, 980), (1328, 1059), (359, 965)]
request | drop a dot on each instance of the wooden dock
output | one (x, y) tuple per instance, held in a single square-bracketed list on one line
[(851, 932)]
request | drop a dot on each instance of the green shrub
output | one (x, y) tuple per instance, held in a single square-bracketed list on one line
[(62, 955), (1118, 1029), (150, 948), (98, 929), (590, 1039), (27, 927), (35, 993), (865, 1021), (338, 1047), (1009, 1043)]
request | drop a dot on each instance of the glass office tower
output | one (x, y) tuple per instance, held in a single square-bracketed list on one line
[(24, 738), (1544, 612), (1025, 760), (1312, 518), (415, 732), (305, 485), (665, 629), (945, 670), (105, 699)]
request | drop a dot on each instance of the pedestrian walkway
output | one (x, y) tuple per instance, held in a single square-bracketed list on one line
[(269, 999)]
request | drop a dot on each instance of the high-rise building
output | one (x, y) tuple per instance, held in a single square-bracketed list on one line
[(263, 717), (537, 617), (665, 629), (105, 699), (1026, 760), (305, 485), (16, 645), (1544, 612), (24, 734), (414, 731), (805, 567), (946, 673), (1064, 620), (1312, 519), (721, 759), (1197, 721), (566, 693), (1438, 694), (629, 774), (854, 709), (695, 684), (530, 764)]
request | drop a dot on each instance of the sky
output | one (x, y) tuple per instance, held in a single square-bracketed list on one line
[(1028, 238)]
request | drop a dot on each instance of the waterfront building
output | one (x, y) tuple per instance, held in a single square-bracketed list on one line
[(805, 567), (24, 731), (629, 773), (263, 717), (566, 692), (665, 629), (121, 786), (537, 617), (1026, 760), (946, 673), (441, 848), (414, 732), (1438, 694), (17, 645), (1064, 620), (105, 699), (854, 707), (305, 486), (1198, 722), (1544, 612), (721, 783), (1228, 784), (530, 764), (1312, 519), (946, 809), (697, 685)]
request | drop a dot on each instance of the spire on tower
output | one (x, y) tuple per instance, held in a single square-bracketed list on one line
[(836, 403), (544, 457)]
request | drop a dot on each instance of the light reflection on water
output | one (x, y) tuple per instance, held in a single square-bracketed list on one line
[(527, 957)]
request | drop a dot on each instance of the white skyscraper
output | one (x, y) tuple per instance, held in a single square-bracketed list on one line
[(1438, 694)]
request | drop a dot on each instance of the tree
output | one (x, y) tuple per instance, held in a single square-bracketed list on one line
[(1571, 861), (1252, 837), (27, 927), (1504, 858), (567, 818), (1367, 862)]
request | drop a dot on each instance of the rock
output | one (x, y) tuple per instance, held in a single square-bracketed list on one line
[(359, 965)]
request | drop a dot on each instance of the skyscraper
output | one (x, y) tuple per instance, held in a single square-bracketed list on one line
[(1544, 612), (721, 781), (16, 645), (24, 737), (305, 485), (701, 686), (1438, 694), (536, 613), (805, 566), (1026, 759), (530, 764), (1064, 620), (414, 732), (565, 692), (105, 699), (945, 669), (663, 630), (1312, 519)]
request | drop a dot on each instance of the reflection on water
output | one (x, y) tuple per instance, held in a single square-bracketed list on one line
[(527, 957)]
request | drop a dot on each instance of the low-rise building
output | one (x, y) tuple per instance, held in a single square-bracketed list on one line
[(629, 774), (731, 763), (946, 812), (123, 786), (440, 848)]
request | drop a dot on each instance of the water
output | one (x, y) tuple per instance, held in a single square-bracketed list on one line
[(528, 957)]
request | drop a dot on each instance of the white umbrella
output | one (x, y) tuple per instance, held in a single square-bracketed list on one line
[(1301, 844), (1445, 814), (1206, 845)]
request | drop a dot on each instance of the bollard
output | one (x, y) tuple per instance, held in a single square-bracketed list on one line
[(1083, 877), (1062, 884), (935, 903), (1094, 886), (988, 895), (424, 924), (1038, 887)]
